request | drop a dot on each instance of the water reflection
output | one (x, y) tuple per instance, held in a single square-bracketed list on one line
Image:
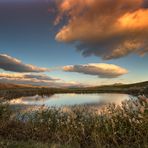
[(71, 99)]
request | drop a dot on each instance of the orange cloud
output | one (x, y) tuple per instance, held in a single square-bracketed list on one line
[(110, 29), (97, 69)]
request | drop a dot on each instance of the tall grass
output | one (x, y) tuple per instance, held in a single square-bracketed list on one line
[(80, 126)]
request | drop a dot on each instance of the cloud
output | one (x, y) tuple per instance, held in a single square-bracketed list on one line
[(40, 77), (102, 70), (105, 28), (9, 63), (28, 76), (35, 80)]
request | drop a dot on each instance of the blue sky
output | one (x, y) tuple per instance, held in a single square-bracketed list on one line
[(28, 34)]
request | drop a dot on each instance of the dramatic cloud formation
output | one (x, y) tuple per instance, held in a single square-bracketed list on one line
[(102, 70), (35, 79), (9, 63), (107, 28)]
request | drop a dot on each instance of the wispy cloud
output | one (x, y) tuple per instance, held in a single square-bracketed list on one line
[(36, 80), (28, 76), (109, 29), (102, 70), (9, 63)]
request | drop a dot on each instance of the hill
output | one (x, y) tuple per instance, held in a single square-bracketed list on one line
[(13, 86), (10, 91), (141, 87)]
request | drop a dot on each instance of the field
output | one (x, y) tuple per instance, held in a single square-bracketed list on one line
[(9, 91), (77, 126)]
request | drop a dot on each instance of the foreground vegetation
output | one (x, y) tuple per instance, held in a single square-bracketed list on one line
[(22, 144), (77, 126)]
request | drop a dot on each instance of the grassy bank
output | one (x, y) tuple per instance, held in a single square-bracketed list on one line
[(79, 126), (8, 91), (135, 89)]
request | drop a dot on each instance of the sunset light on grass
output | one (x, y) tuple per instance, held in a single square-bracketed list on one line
[(78, 55)]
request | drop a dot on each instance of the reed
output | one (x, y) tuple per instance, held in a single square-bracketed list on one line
[(79, 126)]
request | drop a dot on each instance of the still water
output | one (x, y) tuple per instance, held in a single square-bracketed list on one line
[(71, 99)]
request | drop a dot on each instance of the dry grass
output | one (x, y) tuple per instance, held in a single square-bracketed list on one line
[(80, 126)]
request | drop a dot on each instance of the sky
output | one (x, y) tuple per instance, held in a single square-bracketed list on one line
[(61, 43)]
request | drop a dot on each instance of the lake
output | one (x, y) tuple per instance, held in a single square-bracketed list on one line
[(59, 100)]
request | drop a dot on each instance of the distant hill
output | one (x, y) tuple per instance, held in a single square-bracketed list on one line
[(135, 88), (12, 86), (139, 84), (125, 88)]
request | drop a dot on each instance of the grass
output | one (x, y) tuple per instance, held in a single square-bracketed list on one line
[(77, 126), (11, 91), (21, 144), (30, 144)]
